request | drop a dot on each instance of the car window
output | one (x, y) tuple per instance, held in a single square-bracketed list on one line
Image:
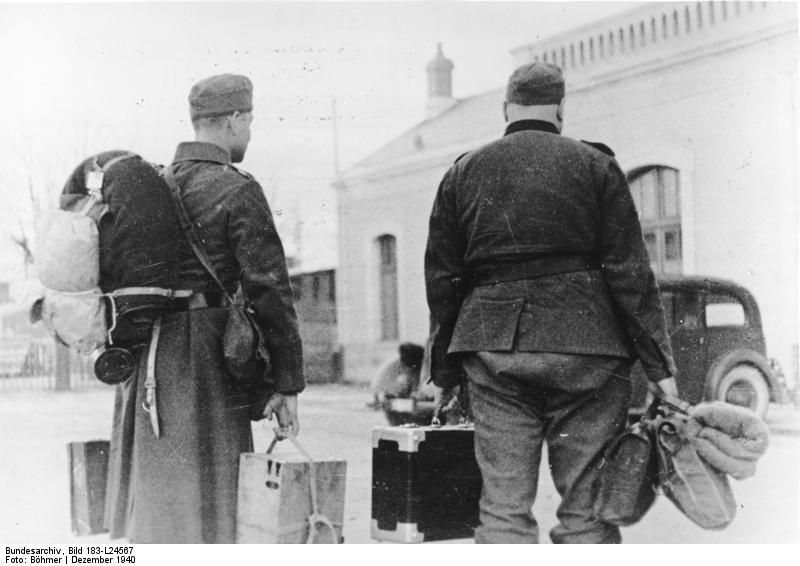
[(722, 310), (688, 310)]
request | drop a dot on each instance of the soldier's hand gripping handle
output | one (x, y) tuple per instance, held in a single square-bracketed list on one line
[(446, 401), (284, 407)]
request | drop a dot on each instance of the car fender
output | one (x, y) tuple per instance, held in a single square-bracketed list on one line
[(726, 362)]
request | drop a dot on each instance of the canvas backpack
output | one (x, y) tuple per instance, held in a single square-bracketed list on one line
[(68, 264)]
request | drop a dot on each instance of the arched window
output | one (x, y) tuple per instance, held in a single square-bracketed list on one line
[(656, 192), (387, 249)]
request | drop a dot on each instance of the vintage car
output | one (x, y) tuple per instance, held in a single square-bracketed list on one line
[(718, 345)]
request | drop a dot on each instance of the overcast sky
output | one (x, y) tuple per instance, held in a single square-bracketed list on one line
[(83, 78)]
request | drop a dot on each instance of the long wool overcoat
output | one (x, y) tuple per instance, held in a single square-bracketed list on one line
[(181, 486)]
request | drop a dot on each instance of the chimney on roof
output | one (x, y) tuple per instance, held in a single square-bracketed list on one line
[(440, 84)]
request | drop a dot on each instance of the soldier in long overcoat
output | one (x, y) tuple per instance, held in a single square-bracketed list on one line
[(541, 293), (173, 476)]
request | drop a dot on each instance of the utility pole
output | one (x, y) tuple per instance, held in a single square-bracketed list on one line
[(335, 137)]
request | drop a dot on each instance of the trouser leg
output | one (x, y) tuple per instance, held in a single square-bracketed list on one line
[(581, 425), (508, 447)]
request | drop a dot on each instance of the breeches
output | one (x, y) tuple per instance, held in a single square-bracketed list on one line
[(577, 404)]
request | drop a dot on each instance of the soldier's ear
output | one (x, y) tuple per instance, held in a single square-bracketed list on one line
[(230, 125), (505, 110)]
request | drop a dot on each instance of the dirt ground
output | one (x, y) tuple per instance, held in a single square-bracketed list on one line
[(34, 490)]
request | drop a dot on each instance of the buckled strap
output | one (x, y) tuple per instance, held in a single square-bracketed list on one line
[(158, 291), (503, 272), (150, 404)]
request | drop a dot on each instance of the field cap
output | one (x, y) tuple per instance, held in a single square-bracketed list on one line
[(535, 84), (220, 95)]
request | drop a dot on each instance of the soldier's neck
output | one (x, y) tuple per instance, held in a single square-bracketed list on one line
[(214, 138)]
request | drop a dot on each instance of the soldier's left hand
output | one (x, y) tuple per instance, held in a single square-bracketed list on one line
[(446, 400), (284, 407)]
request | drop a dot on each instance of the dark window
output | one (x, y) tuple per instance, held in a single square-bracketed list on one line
[(656, 193), (388, 287)]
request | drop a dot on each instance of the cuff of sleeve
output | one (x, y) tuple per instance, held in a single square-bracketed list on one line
[(448, 378)]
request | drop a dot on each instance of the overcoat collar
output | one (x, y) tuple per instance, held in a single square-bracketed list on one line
[(201, 151), (540, 125)]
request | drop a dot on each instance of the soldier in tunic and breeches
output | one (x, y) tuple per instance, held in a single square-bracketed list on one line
[(180, 484), (542, 295)]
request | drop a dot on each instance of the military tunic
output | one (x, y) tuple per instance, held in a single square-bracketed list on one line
[(532, 195)]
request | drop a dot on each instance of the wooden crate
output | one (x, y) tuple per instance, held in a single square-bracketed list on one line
[(88, 464), (274, 500)]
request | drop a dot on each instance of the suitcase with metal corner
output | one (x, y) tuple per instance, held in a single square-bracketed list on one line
[(425, 483)]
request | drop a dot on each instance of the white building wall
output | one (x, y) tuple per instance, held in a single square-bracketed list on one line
[(399, 206)]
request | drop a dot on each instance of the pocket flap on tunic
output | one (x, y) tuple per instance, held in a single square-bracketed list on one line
[(486, 325)]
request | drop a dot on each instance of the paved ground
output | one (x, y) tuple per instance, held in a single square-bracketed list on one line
[(34, 494)]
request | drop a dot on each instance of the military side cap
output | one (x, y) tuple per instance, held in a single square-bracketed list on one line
[(535, 84), (220, 95)]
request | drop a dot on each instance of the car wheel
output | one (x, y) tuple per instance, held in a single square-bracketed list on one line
[(744, 385)]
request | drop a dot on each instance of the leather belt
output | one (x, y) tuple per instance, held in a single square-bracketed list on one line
[(200, 301), (503, 272)]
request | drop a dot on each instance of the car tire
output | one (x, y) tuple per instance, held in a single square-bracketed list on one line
[(746, 386)]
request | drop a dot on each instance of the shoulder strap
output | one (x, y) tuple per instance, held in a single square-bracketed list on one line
[(189, 231)]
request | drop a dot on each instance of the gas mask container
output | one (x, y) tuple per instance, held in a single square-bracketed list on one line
[(112, 365)]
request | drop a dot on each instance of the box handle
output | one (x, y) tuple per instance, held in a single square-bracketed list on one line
[(316, 519)]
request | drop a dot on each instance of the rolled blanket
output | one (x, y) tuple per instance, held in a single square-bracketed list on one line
[(727, 437)]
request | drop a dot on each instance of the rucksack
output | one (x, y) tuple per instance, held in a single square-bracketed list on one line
[(68, 263), (110, 258)]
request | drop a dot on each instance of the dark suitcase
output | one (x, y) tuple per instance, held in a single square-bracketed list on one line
[(425, 483), (88, 466)]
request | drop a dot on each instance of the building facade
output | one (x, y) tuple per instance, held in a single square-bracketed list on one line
[(697, 101), (315, 303)]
